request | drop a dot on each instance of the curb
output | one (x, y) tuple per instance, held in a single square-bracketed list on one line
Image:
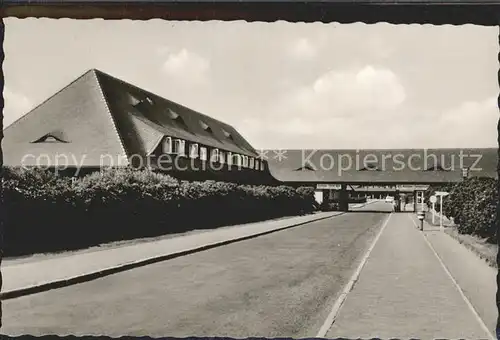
[(39, 288)]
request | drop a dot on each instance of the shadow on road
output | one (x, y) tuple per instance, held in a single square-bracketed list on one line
[(101, 337), (369, 211)]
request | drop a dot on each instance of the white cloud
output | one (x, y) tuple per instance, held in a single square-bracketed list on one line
[(363, 92), (472, 123), (338, 109), (187, 67), (16, 105), (366, 109), (303, 49)]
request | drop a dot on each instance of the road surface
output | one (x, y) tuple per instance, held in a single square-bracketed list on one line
[(279, 285)]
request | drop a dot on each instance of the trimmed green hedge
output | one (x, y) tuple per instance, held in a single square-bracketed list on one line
[(472, 204), (46, 212)]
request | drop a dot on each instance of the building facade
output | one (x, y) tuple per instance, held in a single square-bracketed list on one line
[(100, 121)]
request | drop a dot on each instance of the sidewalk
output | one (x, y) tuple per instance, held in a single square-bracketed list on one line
[(404, 292), (19, 275), (475, 277)]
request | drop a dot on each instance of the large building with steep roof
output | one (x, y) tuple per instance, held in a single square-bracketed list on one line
[(99, 121)]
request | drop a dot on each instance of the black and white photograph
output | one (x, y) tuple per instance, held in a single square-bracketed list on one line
[(236, 179)]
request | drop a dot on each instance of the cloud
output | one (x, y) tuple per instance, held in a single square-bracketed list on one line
[(367, 109), (186, 67), (16, 105), (338, 109), (362, 92), (472, 123), (303, 49)]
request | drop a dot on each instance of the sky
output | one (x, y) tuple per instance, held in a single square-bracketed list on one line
[(281, 85)]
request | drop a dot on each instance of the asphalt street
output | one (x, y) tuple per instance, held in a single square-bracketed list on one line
[(279, 285)]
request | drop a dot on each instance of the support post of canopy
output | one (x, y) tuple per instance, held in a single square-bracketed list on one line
[(343, 198), (415, 201)]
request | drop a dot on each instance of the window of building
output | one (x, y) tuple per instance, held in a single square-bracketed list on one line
[(149, 101), (49, 138), (262, 166), (203, 153), (167, 145), (237, 159), (179, 147), (132, 100), (227, 134), (257, 164), (251, 164), (215, 155), (205, 126), (370, 166), (230, 158), (222, 157), (177, 119), (194, 150), (436, 167), (245, 161), (172, 114)]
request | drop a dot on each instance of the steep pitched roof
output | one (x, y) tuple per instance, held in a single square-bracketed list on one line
[(384, 166), (78, 113), (169, 118), (101, 120)]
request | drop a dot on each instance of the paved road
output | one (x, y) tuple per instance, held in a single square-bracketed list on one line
[(279, 285)]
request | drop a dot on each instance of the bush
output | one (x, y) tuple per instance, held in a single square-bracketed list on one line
[(473, 204), (46, 212)]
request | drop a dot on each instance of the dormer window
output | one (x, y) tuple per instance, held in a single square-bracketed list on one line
[(141, 103), (50, 138), (436, 167), (205, 127), (133, 100), (194, 150), (176, 118), (370, 166), (173, 115), (307, 166), (227, 134)]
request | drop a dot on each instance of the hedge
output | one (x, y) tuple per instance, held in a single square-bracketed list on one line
[(472, 204), (46, 212)]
